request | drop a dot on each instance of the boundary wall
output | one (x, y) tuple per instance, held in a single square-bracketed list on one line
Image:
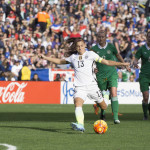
[(39, 92)]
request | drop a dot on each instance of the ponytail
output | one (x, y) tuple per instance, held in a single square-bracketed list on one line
[(70, 46)]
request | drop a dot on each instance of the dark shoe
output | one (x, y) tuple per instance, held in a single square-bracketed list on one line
[(145, 118)]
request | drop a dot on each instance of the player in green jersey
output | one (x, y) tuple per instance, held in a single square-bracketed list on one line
[(107, 76), (144, 77)]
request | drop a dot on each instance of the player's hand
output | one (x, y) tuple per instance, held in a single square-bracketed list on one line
[(126, 64)]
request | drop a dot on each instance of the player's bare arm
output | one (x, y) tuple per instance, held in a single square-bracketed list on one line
[(119, 57), (54, 60), (113, 63)]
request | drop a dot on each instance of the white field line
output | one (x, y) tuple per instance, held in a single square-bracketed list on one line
[(9, 147)]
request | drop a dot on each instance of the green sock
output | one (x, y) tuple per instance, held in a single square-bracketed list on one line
[(145, 108), (115, 107)]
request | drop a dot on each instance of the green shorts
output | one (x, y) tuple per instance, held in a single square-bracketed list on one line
[(106, 83), (144, 83)]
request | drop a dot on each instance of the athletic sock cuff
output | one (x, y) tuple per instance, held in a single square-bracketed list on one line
[(78, 109), (114, 98)]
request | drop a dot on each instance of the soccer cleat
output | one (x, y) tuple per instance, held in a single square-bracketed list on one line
[(77, 127), (116, 121), (96, 109)]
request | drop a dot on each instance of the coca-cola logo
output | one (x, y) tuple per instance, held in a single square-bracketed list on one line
[(12, 93)]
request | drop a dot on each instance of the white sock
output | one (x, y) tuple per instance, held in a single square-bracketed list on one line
[(79, 115), (106, 96), (106, 101)]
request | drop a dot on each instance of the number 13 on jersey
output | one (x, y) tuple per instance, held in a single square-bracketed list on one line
[(80, 64)]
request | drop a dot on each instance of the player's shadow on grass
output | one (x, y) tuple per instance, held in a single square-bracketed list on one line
[(32, 128), (66, 130), (125, 117), (62, 117)]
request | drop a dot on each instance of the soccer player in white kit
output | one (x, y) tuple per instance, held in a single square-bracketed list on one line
[(84, 80)]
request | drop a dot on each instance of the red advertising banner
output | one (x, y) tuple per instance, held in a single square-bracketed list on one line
[(29, 92)]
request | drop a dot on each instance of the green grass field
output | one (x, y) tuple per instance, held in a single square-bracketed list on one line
[(47, 127)]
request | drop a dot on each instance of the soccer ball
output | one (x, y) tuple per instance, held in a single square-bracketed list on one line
[(100, 126)]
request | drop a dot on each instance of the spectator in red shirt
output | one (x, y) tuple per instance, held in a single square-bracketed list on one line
[(11, 17), (75, 33)]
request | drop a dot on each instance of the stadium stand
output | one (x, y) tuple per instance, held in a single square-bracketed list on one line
[(23, 35)]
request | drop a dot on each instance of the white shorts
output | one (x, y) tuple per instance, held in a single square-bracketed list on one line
[(91, 91)]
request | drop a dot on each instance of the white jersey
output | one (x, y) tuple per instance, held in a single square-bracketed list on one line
[(83, 68)]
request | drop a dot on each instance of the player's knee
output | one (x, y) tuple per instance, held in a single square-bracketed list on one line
[(78, 102), (104, 107)]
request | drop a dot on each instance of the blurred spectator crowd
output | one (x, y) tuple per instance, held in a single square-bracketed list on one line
[(30, 27)]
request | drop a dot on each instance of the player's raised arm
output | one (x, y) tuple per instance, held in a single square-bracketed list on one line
[(111, 63), (54, 60)]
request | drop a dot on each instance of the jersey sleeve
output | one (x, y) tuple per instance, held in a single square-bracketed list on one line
[(96, 57), (68, 59), (138, 53)]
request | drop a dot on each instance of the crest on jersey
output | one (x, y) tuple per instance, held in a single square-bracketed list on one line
[(108, 51), (86, 57), (80, 57)]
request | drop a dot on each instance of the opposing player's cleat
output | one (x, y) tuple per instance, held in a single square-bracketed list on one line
[(96, 109), (145, 118), (77, 127), (116, 121)]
